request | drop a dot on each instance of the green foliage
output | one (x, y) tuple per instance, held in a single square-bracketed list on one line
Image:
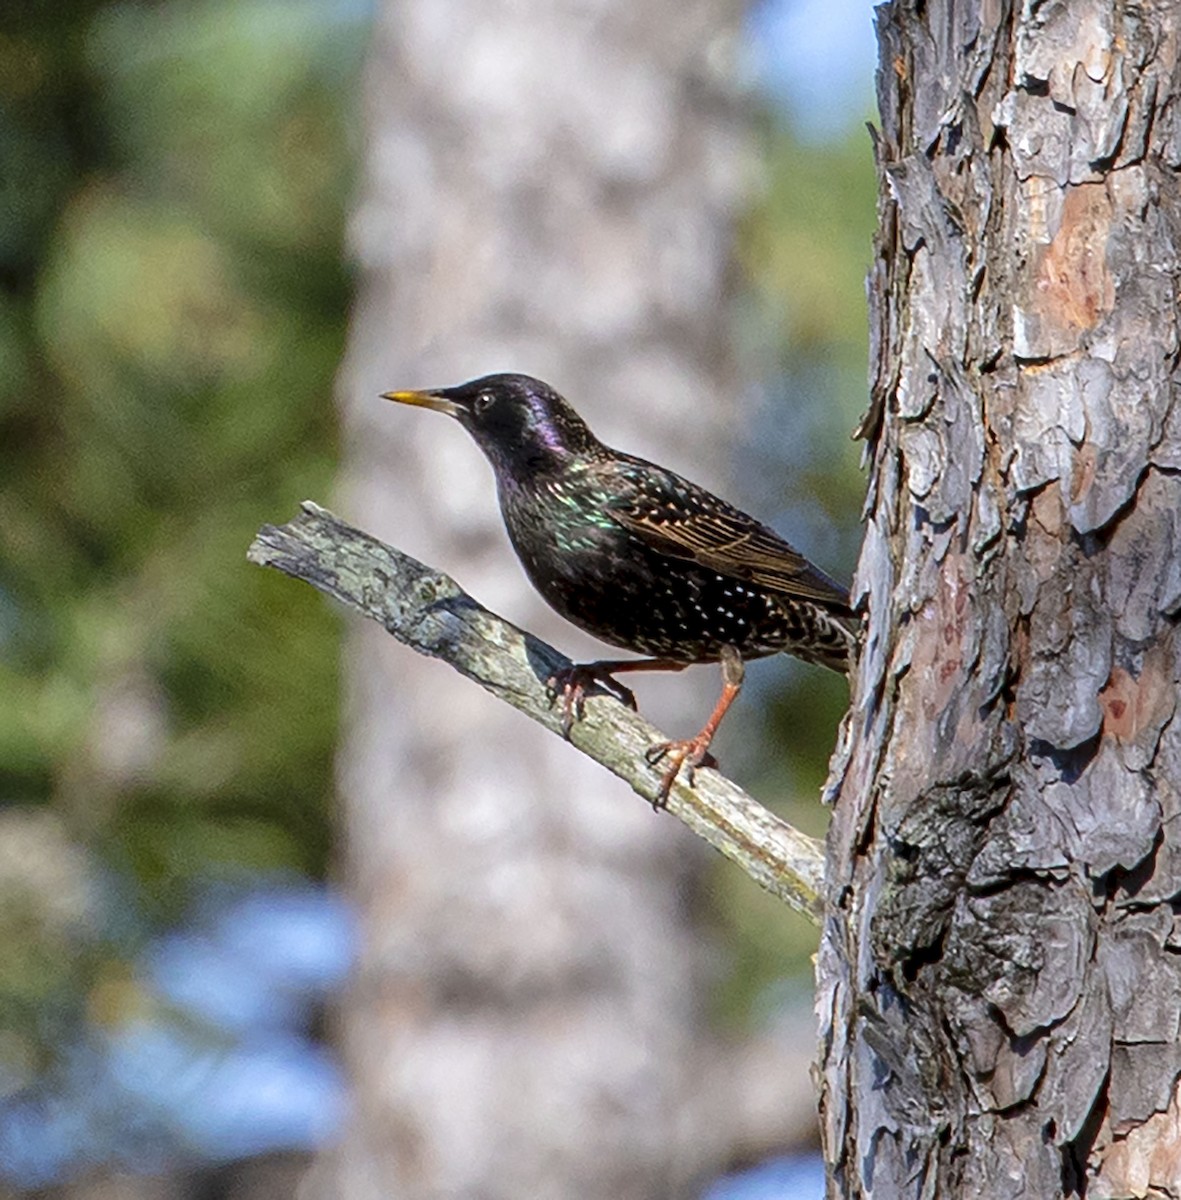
[(805, 249), (806, 246), (172, 309)]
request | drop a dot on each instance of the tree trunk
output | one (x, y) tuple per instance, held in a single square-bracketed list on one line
[(1000, 977), (549, 189)]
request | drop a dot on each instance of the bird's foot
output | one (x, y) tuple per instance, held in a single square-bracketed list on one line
[(690, 753), (571, 684)]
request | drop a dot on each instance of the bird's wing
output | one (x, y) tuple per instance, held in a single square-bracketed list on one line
[(680, 519)]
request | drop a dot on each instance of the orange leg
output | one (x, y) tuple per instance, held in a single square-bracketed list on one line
[(694, 752), (571, 684)]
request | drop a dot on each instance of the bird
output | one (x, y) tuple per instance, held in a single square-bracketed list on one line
[(641, 558)]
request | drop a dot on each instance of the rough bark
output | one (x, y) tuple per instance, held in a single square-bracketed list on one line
[(548, 188), (429, 612), (1000, 972)]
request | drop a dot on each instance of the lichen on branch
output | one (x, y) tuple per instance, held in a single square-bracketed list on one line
[(429, 612)]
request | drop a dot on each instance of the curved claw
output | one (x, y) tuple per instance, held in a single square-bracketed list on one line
[(572, 683), (694, 752), (690, 753)]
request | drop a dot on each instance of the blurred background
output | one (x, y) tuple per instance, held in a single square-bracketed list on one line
[(195, 201)]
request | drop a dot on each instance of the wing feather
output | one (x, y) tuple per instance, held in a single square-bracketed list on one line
[(675, 517)]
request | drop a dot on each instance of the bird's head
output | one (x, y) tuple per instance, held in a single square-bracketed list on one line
[(520, 423)]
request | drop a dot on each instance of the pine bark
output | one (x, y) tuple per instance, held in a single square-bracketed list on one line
[(1000, 971)]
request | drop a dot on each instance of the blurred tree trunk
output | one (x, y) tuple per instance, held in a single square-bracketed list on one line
[(548, 189), (1000, 982)]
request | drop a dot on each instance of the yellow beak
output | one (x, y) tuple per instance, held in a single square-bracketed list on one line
[(424, 400)]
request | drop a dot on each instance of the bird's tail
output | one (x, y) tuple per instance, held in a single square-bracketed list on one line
[(832, 644)]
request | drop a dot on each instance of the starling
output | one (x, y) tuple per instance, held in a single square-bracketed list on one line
[(640, 557)]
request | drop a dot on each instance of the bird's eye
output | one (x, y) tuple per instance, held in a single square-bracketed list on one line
[(483, 402)]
